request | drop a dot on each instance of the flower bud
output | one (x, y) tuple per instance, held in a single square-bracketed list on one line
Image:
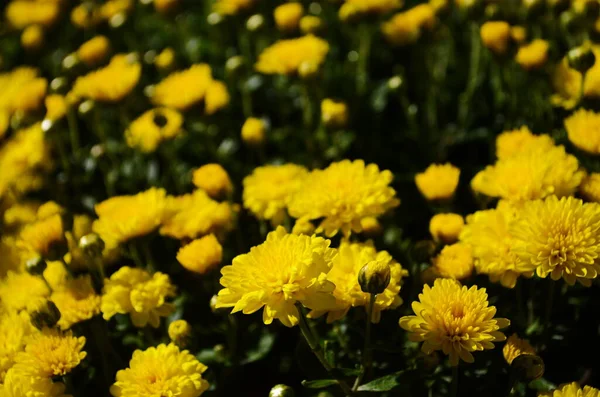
[(36, 265), (581, 59), (47, 316), (165, 59), (213, 304), (281, 391), (255, 23), (374, 277), (32, 37), (86, 107), (179, 332), (234, 64), (253, 131), (310, 24), (92, 245), (334, 113), (527, 367), (287, 16), (395, 83)]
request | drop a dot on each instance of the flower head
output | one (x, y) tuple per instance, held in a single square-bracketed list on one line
[(455, 261), (446, 227), (282, 271), (511, 143), (56, 107), (269, 189), (40, 235), (572, 390), (583, 129), (567, 82), (151, 128), (76, 300), (18, 291), (590, 188), (15, 328), (333, 113), (21, 385), (343, 194), (514, 347), (533, 55), (438, 181), (22, 89), (94, 50), (495, 35), (32, 37), (23, 13), (179, 331), (163, 370), (287, 16), (217, 97), (406, 27), (213, 179), (165, 59), (138, 293), (287, 56), (353, 8), (560, 238), (311, 24), (201, 255), (454, 319), (183, 89), (232, 7), (253, 131)]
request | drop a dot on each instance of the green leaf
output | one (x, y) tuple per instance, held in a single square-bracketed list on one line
[(542, 385), (265, 344), (385, 383), (319, 384)]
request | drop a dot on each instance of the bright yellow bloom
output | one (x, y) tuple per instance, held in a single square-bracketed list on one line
[(213, 179), (15, 328), (32, 37), (455, 261), (572, 390), (56, 275), (20, 385), (352, 8), (333, 113), (310, 24), (122, 218), (495, 35), (454, 319), (110, 83), (76, 300), (201, 255), (589, 188), (94, 50), (21, 290), (20, 214), (13, 256), (253, 131), (518, 34), (47, 230), (138, 293), (161, 371), (343, 194), (151, 128), (23, 13), (113, 7), (510, 143), (344, 274), (438, 181), (567, 82), (56, 107), (179, 331), (165, 59), (287, 56), (22, 90), (180, 90), (446, 227), (560, 238), (269, 189), (514, 347), (50, 353), (287, 16), (84, 16), (406, 27), (232, 7), (216, 98), (583, 129), (282, 271), (195, 215), (533, 55)]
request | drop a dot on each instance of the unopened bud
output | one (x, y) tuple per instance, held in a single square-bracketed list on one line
[(86, 107), (395, 83), (234, 64), (281, 391), (213, 304), (374, 277), (255, 22), (36, 265), (581, 59), (179, 332), (91, 245), (47, 316), (527, 367)]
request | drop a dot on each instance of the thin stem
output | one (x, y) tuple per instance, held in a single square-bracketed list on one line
[(134, 254), (549, 302), (454, 385), (367, 358), (364, 52), (73, 132), (473, 77), (232, 336)]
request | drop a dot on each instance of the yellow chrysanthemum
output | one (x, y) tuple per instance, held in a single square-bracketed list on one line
[(138, 293), (334, 113), (348, 293), (161, 371), (84, 16), (183, 89), (22, 90), (20, 290), (514, 347), (455, 261), (268, 190), (23, 13), (110, 83), (56, 107), (253, 131), (344, 193), (165, 59), (121, 218), (32, 37), (406, 27), (567, 82), (560, 238), (438, 181), (179, 331), (40, 235), (446, 227), (287, 56), (583, 129), (590, 188), (495, 35), (232, 7), (488, 233), (94, 50), (20, 385), (20, 214), (533, 55), (77, 301), (287, 16), (282, 271), (151, 128), (217, 97), (15, 328), (201, 255), (56, 274), (518, 34), (13, 256), (50, 353), (454, 319), (352, 8), (572, 390), (213, 179), (195, 215), (510, 143)]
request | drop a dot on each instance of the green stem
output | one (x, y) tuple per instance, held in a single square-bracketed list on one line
[(549, 303), (134, 254), (232, 336), (454, 385), (367, 357), (473, 77), (73, 132), (307, 118), (364, 51)]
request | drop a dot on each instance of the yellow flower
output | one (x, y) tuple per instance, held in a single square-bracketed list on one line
[(213, 179), (195, 215), (151, 128), (589, 188), (20, 385), (22, 13), (180, 90), (85, 16), (165, 59), (518, 34), (201, 255), (165, 6), (495, 35), (13, 256), (94, 50), (15, 328), (56, 275), (113, 7), (406, 27), (77, 301), (287, 56), (333, 113), (217, 97), (18, 291), (20, 214), (40, 235), (122, 218), (567, 82), (269, 189), (4, 122), (110, 83), (231, 7), (352, 8), (514, 347), (32, 37), (560, 238), (161, 371), (22, 90), (446, 227), (454, 319), (455, 261), (572, 390), (50, 353), (583, 129), (533, 55), (56, 107), (438, 181), (287, 16), (510, 143), (137, 293), (343, 194), (179, 331), (310, 24), (282, 271), (253, 131), (303, 227), (344, 274)]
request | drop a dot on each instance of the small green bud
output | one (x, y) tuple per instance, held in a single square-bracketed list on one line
[(47, 316), (234, 64), (374, 277), (36, 265), (255, 22), (92, 245), (395, 83), (581, 59), (86, 107), (213, 304), (527, 367), (281, 391)]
